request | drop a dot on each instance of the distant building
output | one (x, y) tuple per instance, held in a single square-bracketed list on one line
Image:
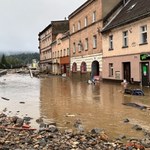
[(85, 25), (60, 54), (126, 48), (46, 38)]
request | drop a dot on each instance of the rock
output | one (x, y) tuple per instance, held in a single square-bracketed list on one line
[(14, 119), (52, 128), (42, 142), (43, 125), (103, 136), (68, 131), (146, 142), (52, 123), (40, 120), (137, 127), (126, 120), (77, 123), (121, 137), (80, 128), (96, 131), (27, 118), (36, 146), (19, 122), (147, 133)]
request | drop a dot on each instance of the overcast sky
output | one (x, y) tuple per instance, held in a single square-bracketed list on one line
[(22, 20)]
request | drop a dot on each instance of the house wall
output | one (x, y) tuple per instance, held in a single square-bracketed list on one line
[(60, 53), (131, 54), (92, 29), (45, 49), (46, 38), (133, 38)]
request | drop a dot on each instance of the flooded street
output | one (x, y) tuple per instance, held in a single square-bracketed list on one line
[(64, 101)]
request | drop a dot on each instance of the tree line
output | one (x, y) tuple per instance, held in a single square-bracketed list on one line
[(17, 60)]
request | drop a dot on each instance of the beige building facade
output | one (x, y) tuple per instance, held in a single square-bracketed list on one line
[(85, 25), (60, 54), (46, 37), (126, 49)]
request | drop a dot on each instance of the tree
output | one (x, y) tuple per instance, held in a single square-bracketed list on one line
[(4, 64)]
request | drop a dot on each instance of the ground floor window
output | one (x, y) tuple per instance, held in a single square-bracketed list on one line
[(83, 67), (111, 70), (74, 67)]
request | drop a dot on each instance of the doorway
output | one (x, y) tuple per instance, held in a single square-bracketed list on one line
[(127, 71), (95, 69), (145, 73)]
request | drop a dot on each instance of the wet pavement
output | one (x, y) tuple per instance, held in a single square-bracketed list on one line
[(64, 101)]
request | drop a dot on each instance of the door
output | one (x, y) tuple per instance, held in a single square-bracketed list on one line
[(65, 69), (95, 69), (145, 73), (127, 71)]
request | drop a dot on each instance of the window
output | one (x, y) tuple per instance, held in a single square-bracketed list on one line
[(67, 51), (94, 41), (64, 52), (79, 46), (58, 53), (74, 67), (74, 47), (79, 25), (143, 34), (94, 16), (61, 53), (111, 42), (83, 67), (111, 70), (86, 44), (125, 39), (50, 54), (86, 22), (73, 28)]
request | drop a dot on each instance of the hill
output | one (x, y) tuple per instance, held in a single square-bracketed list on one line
[(19, 60)]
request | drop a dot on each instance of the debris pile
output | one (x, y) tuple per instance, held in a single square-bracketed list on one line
[(16, 133)]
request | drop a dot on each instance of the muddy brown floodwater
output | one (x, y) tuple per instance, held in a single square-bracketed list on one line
[(64, 101)]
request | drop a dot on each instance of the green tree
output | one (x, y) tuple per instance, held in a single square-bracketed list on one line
[(4, 64)]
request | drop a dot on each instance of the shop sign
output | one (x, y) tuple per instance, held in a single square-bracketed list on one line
[(145, 56)]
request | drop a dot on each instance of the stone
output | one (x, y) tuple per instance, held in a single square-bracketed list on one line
[(126, 120), (52, 128), (137, 127), (96, 131), (40, 120), (146, 142), (19, 122)]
